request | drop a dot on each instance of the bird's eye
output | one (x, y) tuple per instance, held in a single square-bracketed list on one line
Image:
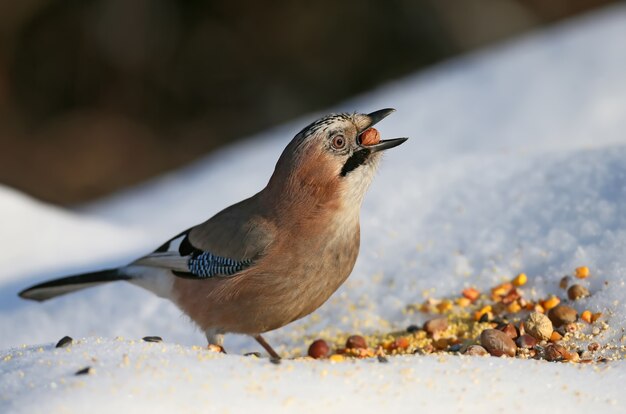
[(339, 142)]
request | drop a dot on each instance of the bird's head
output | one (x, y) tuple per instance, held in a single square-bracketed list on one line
[(330, 158)]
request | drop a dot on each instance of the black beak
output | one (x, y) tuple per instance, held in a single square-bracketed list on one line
[(385, 144), (377, 116)]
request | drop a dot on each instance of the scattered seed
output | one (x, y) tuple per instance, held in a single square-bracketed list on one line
[(497, 343), (152, 339), (562, 314), (319, 349), (476, 350), (85, 371), (526, 341), (436, 325), (382, 359), (564, 282), (510, 330), (412, 328), (582, 272), (471, 293), (571, 356), (586, 316), (514, 307), (356, 342), (555, 337), (520, 280), (593, 347), (336, 358), (63, 342), (538, 325), (550, 303), (455, 348), (402, 342), (577, 292), (253, 354), (555, 352)]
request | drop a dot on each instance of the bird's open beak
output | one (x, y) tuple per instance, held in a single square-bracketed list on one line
[(376, 117)]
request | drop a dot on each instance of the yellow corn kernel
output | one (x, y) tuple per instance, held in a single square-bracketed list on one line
[(444, 306), (555, 336), (336, 358), (538, 308), (471, 293), (479, 314), (501, 290), (514, 307), (586, 316), (582, 272), (550, 303), (463, 302), (520, 280)]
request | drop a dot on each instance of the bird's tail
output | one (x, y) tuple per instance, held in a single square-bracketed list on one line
[(58, 287)]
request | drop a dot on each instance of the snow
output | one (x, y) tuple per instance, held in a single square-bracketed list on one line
[(515, 163)]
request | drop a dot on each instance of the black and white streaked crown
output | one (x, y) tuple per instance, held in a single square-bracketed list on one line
[(324, 123)]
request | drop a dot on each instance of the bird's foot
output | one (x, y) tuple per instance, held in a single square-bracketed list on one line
[(275, 358)]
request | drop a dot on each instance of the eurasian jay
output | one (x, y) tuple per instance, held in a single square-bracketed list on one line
[(272, 258)]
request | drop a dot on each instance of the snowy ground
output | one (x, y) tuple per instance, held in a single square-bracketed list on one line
[(515, 163)]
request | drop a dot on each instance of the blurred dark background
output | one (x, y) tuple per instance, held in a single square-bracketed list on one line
[(97, 95)]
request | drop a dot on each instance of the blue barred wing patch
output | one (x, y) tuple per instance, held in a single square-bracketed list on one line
[(207, 265)]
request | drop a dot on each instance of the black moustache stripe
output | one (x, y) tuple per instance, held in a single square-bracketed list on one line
[(357, 159)]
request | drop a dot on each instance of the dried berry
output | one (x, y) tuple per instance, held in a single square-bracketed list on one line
[(356, 342), (497, 343), (577, 292), (538, 325), (319, 349), (436, 325), (562, 314)]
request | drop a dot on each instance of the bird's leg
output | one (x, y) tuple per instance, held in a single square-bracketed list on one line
[(215, 340), (267, 347)]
